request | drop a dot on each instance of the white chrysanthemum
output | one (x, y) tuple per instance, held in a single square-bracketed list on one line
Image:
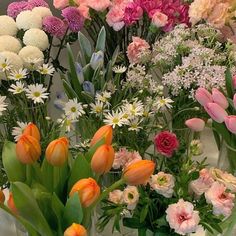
[(31, 55), (42, 11), (15, 61), (3, 105), (16, 88), (37, 93), (9, 43), (7, 26), (17, 131), (28, 20), (37, 38)]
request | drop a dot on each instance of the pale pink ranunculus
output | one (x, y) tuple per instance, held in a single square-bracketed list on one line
[(159, 19), (116, 196), (216, 112), (114, 18), (60, 4), (163, 184), (131, 197), (182, 217), (203, 96), (136, 49), (230, 122), (219, 98), (195, 124), (222, 201), (84, 11)]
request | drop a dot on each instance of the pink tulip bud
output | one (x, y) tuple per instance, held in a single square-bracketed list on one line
[(203, 96), (234, 81), (216, 112), (195, 124), (230, 122), (234, 100), (219, 98)]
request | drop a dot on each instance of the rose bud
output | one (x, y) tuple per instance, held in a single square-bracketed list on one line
[(2, 197), (102, 159), (88, 191), (138, 172), (104, 132), (234, 101), (230, 122), (57, 151), (195, 124), (216, 112), (11, 204), (203, 96), (28, 149), (75, 230), (32, 130), (219, 98)]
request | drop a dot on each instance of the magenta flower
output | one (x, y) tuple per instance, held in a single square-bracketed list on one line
[(15, 8), (74, 19), (133, 12), (38, 3)]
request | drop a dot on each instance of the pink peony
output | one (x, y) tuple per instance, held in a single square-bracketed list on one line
[(222, 201), (159, 19), (132, 13), (15, 8), (182, 217), (136, 48), (166, 143), (60, 4), (114, 18)]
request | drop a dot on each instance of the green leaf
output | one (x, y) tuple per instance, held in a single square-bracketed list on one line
[(73, 212), (16, 171), (47, 175), (101, 41), (133, 223), (115, 55), (69, 90), (222, 130), (29, 209), (92, 150), (229, 83), (85, 47), (143, 214)]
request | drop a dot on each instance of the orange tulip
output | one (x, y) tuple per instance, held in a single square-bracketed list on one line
[(102, 159), (2, 197), (139, 172), (11, 204), (75, 230), (88, 191), (104, 132), (28, 149), (32, 130), (57, 151)]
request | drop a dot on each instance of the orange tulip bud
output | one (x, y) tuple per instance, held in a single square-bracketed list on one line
[(139, 172), (88, 191), (32, 130), (104, 132), (57, 151), (28, 149), (2, 197), (102, 159), (11, 204), (75, 230)]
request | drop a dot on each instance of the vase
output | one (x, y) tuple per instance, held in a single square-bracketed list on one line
[(110, 178)]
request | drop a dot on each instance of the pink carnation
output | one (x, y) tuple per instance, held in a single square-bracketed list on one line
[(159, 19), (84, 11), (222, 201), (60, 4), (114, 18), (38, 3), (182, 217), (133, 12), (15, 8)]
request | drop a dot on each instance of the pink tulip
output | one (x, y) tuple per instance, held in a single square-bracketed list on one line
[(234, 100), (230, 122), (216, 112), (219, 98), (203, 96), (195, 124)]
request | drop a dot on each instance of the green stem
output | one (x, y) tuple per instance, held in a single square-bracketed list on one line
[(142, 232)]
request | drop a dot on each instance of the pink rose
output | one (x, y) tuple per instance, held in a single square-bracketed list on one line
[(159, 19), (60, 4), (136, 48), (166, 143), (195, 124), (182, 217), (222, 201)]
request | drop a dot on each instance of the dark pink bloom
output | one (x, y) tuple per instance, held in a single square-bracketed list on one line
[(133, 12), (38, 3), (15, 8)]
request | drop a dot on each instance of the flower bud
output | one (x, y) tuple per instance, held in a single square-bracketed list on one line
[(103, 159), (139, 172), (2, 197), (57, 151), (230, 122), (97, 60), (88, 191), (28, 149), (11, 204), (219, 98), (195, 124), (216, 112), (75, 230), (32, 130), (203, 96), (196, 147), (104, 132)]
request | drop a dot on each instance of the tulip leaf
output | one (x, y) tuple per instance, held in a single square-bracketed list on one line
[(92, 150), (229, 83), (28, 208), (69, 90), (47, 175), (16, 171), (221, 129), (101, 40), (73, 212)]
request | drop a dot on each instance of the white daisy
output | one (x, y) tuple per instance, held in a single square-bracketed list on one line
[(18, 75), (97, 107), (3, 105), (16, 88), (163, 102), (73, 109), (134, 109), (134, 124), (115, 119), (119, 69), (5, 64), (18, 130), (67, 123), (37, 93), (46, 69), (103, 97)]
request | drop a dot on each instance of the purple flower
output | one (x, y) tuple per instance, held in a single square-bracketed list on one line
[(15, 8), (133, 12), (38, 3), (74, 19), (54, 26)]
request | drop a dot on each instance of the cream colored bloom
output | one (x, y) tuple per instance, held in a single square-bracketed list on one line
[(116, 196), (42, 11), (14, 60), (131, 197), (7, 26), (9, 43)]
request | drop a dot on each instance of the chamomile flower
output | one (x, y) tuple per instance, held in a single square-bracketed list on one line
[(3, 105), (73, 109), (103, 97), (134, 124), (37, 93), (97, 107), (18, 74), (17, 131), (119, 69), (16, 88), (5, 64), (46, 69), (163, 102), (115, 119)]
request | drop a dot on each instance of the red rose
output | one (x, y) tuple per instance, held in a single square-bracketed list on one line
[(166, 143)]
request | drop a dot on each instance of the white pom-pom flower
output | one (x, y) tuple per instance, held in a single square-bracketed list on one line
[(28, 20), (9, 43), (37, 38), (8, 26), (14, 60), (42, 11)]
